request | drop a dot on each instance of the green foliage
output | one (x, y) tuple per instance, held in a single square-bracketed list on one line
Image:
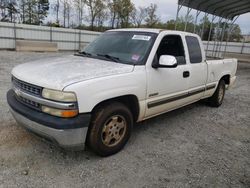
[(53, 24), (9, 10), (42, 10), (34, 11), (124, 10), (152, 19), (96, 9)]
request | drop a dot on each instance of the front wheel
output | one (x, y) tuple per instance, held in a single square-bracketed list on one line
[(218, 96), (110, 128)]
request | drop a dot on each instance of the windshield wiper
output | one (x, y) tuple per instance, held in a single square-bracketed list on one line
[(83, 53), (107, 56)]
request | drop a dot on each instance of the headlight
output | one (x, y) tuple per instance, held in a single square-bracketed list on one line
[(59, 113), (59, 95)]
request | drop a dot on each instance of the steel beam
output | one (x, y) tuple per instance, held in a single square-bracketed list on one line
[(203, 25), (222, 35), (177, 13), (216, 36), (186, 18), (246, 10), (196, 18), (210, 30), (229, 7), (229, 34)]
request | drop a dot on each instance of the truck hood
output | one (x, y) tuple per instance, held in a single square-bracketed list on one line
[(57, 73)]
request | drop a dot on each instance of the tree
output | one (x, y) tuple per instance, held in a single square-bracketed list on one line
[(79, 5), (171, 25), (30, 12), (96, 7), (236, 34), (232, 32), (112, 6), (42, 10), (124, 11), (138, 16), (22, 9), (152, 18), (205, 28), (9, 10), (100, 18), (3, 8), (34, 11), (56, 8), (66, 12)]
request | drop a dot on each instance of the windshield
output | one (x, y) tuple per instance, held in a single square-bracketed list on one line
[(122, 46)]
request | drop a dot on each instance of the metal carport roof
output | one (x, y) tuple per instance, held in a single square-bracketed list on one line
[(223, 8)]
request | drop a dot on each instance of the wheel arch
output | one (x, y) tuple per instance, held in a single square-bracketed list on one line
[(131, 101), (226, 78)]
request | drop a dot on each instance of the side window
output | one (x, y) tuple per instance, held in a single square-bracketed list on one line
[(194, 49), (172, 45)]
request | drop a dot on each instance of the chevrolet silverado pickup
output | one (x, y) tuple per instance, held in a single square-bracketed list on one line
[(125, 76)]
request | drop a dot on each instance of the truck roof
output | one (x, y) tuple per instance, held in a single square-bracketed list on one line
[(139, 30), (151, 30)]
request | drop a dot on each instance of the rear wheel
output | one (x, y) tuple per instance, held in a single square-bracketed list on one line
[(110, 128), (218, 96)]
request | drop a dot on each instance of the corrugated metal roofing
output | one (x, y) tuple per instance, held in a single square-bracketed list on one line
[(222, 8)]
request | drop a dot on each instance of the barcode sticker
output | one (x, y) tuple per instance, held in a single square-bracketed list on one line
[(141, 37)]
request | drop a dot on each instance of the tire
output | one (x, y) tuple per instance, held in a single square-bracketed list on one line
[(110, 128), (218, 96)]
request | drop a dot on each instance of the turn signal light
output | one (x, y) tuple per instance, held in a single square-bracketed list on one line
[(59, 112)]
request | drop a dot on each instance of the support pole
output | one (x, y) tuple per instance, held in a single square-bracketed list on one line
[(79, 40), (216, 36), (229, 34), (177, 13), (186, 18), (50, 33), (14, 35), (203, 25), (210, 31), (242, 47), (196, 18), (222, 35)]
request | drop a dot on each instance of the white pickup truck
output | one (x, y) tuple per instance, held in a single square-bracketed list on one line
[(124, 76)]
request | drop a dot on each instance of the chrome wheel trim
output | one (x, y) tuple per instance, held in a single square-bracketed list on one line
[(114, 130)]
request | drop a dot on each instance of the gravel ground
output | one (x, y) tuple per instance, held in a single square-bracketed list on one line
[(195, 146)]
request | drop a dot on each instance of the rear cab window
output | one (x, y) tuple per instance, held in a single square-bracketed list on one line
[(194, 49)]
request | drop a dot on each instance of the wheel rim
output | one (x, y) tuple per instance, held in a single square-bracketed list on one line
[(221, 94), (114, 130)]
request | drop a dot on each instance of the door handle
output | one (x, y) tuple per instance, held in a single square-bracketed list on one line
[(186, 74)]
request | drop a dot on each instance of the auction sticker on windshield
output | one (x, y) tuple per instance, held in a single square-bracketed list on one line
[(141, 37), (135, 57)]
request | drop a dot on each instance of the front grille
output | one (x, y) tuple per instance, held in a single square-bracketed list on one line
[(29, 103), (26, 87)]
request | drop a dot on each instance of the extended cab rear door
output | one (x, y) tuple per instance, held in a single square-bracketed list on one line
[(198, 67)]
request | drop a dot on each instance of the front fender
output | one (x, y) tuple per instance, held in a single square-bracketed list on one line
[(92, 92)]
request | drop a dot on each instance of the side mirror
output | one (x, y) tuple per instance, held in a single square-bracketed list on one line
[(167, 61)]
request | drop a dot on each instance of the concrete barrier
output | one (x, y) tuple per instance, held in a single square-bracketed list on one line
[(36, 46)]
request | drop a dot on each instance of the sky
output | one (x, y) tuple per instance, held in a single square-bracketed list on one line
[(167, 10)]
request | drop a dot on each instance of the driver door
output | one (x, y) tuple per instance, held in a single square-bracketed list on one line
[(168, 87)]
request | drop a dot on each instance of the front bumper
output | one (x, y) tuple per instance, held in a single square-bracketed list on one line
[(68, 133)]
